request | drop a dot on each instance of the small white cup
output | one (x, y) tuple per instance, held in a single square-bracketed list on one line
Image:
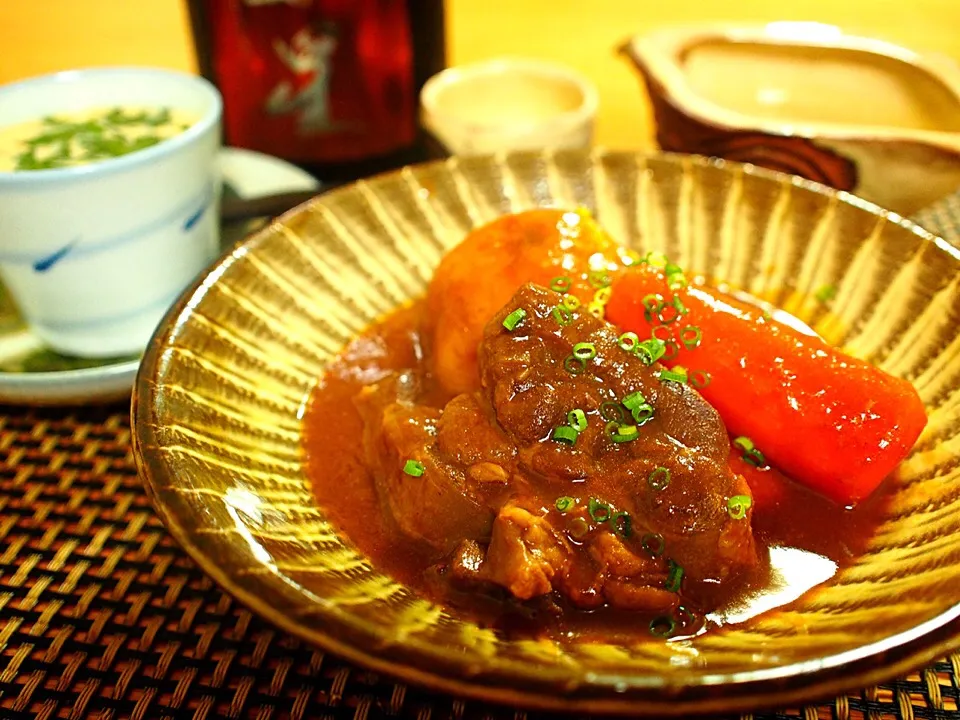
[(95, 254), (509, 104)]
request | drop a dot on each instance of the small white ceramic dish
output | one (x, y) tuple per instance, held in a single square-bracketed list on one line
[(94, 254), (509, 104), (32, 373)]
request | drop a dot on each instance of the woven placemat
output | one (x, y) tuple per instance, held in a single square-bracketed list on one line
[(103, 616)]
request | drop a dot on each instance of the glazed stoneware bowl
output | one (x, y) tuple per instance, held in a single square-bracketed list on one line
[(221, 394), (856, 113)]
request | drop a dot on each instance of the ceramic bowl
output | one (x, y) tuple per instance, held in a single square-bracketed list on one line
[(95, 254), (508, 104), (221, 393), (856, 113)]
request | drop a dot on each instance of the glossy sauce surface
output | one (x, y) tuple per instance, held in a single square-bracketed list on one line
[(802, 537)]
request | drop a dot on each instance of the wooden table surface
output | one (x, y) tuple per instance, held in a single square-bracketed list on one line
[(39, 37)]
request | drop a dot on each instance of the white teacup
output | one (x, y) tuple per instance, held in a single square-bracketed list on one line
[(509, 104), (95, 254)]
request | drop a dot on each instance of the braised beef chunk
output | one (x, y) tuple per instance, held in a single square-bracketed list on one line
[(638, 524)]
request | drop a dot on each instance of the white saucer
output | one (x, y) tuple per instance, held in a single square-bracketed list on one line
[(248, 174)]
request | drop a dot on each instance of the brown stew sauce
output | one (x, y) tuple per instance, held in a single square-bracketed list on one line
[(801, 528)]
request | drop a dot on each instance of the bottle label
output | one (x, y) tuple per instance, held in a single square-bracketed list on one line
[(314, 81)]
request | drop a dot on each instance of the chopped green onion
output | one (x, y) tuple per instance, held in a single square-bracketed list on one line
[(634, 399), (738, 505), (622, 524), (599, 511), (622, 433), (691, 336), (602, 296), (563, 504), (577, 419), (674, 577), (596, 309), (826, 293), (560, 284), (513, 319), (672, 269), (599, 278), (571, 302), (663, 626), (751, 454), (565, 434), (628, 341), (642, 414), (612, 411), (670, 350), (677, 375), (584, 351), (578, 528), (699, 378), (413, 468), (667, 314), (651, 306), (649, 351), (659, 478), (562, 315), (655, 258), (653, 543), (676, 282), (678, 304), (574, 365)]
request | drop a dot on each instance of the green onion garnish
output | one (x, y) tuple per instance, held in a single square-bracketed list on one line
[(690, 336), (513, 319), (413, 468), (612, 411), (659, 478), (578, 528), (599, 278), (642, 414), (655, 258), (668, 314), (662, 626), (699, 378), (751, 455), (560, 284), (622, 433), (574, 365), (674, 577), (649, 351), (563, 504), (599, 511), (651, 306), (826, 293), (562, 315), (634, 399), (577, 419), (622, 524), (678, 304), (679, 375), (630, 257), (565, 434), (602, 296), (596, 309), (653, 543), (738, 505), (584, 351), (571, 302), (628, 341)]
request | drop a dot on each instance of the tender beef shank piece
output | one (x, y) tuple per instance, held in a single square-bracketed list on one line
[(523, 375), (492, 474)]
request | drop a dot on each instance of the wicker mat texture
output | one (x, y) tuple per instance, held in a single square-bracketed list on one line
[(103, 616)]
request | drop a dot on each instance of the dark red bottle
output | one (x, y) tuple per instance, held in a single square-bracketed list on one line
[(331, 85)]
